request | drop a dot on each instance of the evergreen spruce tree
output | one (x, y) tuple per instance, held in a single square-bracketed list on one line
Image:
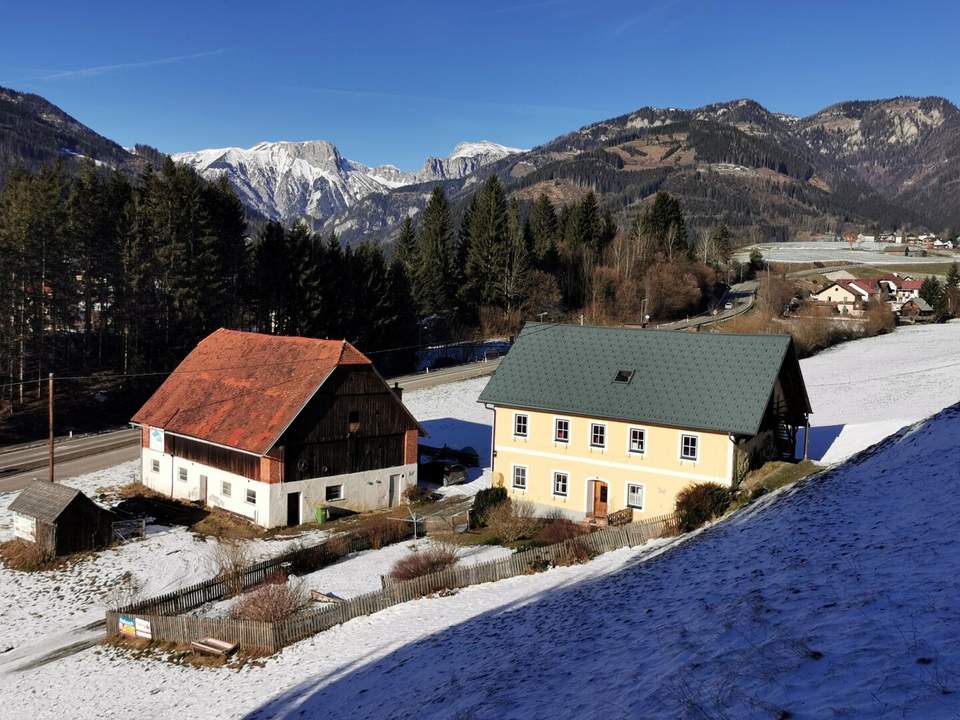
[(543, 229), (487, 253), (405, 249), (516, 275), (433, 280)]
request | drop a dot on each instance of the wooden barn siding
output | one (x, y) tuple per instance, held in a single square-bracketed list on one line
[(266, 637), (320, 440), (238, 463), (82, 525)]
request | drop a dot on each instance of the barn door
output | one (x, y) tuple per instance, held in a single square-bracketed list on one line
[(293, 509)]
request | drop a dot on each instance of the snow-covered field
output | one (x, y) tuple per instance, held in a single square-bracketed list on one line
[(834, 598), (864, 390), (35, 605), (808, 252)]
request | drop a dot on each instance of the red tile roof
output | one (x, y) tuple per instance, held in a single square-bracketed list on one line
[(911, 284), (243, 389)]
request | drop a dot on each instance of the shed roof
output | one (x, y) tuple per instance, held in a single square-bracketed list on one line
[(707, 381), (44, 500), (242, 389)]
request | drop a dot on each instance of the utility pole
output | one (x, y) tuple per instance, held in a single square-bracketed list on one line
[(50, 412)]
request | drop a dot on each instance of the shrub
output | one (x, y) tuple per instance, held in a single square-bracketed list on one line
[(483, 503), (381, 531), (558, 530), (514, 520), (416, 495), (275, 600), (700, 503), (423, 562), (230, 559)]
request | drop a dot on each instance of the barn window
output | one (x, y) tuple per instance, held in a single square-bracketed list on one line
[(155, 465), (334, 492), (225, 489), (183, 474), (251, 496), (353, 421)]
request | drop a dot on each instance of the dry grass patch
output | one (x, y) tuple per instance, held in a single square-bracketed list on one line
[(26, 556), (226, 526)]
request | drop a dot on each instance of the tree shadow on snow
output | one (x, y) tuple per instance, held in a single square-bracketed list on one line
[(821, 438)]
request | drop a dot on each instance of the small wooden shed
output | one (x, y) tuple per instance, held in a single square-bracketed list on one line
[(60, 519)]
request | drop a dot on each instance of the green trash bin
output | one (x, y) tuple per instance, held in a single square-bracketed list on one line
[(321, 514)]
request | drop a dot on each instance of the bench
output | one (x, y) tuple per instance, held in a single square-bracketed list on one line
[(212, 646)]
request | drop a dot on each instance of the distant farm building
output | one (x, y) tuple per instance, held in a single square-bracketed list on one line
[(272, 427), (60, 519)]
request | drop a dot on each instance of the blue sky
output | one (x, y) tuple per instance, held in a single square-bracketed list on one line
[(397, 81)]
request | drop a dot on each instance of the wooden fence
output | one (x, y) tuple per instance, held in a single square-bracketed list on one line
[(154, 618)]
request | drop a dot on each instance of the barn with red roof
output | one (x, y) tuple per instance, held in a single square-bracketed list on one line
[(273, 427)]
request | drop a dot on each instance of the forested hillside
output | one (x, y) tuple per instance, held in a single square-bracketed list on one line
[(893, 163)]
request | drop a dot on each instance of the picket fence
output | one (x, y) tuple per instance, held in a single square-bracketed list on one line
[(161, 616)]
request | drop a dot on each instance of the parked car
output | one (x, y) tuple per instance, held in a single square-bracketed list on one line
[(454, 474), (728, 306)]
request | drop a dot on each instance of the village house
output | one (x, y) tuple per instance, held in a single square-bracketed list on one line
[(594, 420), (850, 297), (272, 427), (908, 288)]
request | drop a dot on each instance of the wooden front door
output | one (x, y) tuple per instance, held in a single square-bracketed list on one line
[(599, 498)]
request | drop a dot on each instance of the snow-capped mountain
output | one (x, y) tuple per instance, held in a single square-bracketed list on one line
[(290, 180)]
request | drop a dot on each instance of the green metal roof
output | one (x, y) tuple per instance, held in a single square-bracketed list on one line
[(705, 381)]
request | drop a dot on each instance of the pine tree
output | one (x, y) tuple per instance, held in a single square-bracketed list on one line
[(433, 280), (543, 229), (953, 276), (516, 275), (486, 255), (405, 249)]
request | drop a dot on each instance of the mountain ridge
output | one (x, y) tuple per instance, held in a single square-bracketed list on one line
[(891, 162), (288, 180)]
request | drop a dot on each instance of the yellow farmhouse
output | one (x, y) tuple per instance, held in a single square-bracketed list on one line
[(592, 420)]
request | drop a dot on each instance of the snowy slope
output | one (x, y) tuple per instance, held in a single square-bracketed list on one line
[(835, 598), (291, 180), (862, 391)]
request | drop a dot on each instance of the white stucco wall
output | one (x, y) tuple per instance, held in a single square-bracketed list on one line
[(361, 491)]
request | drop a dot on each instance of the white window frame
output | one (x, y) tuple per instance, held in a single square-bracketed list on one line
[(566, 483), (226, 489), (643, 496), (183, 474), (526, 477), (600, 425), (630, 431), (341, 494), (155, 465), (556, 422), (696, 438), (526, 425), (249, 501)]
